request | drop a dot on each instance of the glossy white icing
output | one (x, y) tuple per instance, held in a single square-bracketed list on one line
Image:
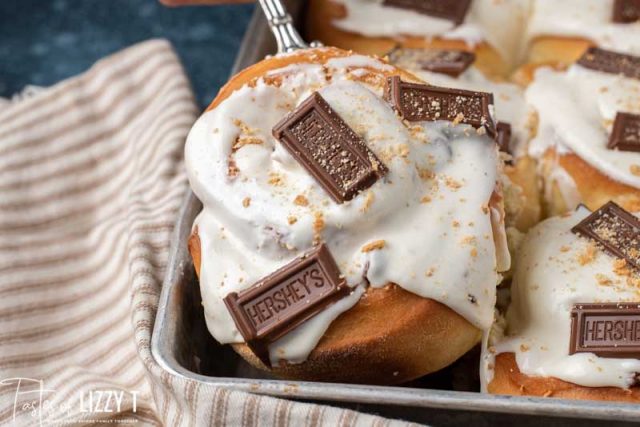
[(555, 269), (497, 22), (430, 209), (590, 19), (576, 110)]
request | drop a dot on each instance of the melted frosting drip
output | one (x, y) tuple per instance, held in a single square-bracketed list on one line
[(554, 270), (494, 22), (590, 19), (430, 210), (576, 110)]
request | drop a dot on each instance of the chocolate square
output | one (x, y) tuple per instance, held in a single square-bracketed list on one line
[(329, 149), (625, 135), (285, 299), (607, 330)]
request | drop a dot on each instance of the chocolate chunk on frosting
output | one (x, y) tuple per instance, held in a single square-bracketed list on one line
[(421, 102), (625, 135), (608, 61), (607, 330), (453, 10), (329, 149), (280, 302), (450, 62), (626, 11), (615, 230)]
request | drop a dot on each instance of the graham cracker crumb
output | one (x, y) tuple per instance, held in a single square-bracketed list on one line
[(565, 248), (318, 226), (603, 280), (301, 200), (275, 179), (588, 255), (458, 119), (246, 202), (524, 348), (635, 170), (292, 220), (232, 168), (368, 201), (452, 183), (372, 246), (425, 174), (425, 199)]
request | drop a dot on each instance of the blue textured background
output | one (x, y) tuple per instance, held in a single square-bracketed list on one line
[(45, 41)]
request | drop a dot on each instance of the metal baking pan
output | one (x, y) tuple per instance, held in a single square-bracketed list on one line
[(182, 345)]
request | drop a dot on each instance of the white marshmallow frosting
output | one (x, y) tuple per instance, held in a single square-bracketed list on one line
[(576, 111), (496, 22), (507, 25), (555, 269), (430, 210)]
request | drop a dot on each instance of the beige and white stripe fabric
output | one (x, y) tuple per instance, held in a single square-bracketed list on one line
[(91, 180)]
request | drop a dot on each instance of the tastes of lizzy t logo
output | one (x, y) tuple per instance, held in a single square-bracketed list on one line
[(32, 399)]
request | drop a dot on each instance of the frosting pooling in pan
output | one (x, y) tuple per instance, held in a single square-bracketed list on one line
[(494, 22), (430, 211), (576, 111), (555, 269), (590, 19)]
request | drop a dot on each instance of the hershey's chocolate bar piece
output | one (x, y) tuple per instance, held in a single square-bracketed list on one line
[(453, 10), (450, 62), (421, 102), (608, 330), (611, 62), (329, 149), (283, 300), (625, 134), (616, 230), (503, 136), (626, 11)]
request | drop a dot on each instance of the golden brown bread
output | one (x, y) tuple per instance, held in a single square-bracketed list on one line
[(390, 335), (509, 380), (522, 198), (595, 188), (557, 52), (322, 12)]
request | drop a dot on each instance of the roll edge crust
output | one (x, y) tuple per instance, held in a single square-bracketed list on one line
[(390, 336), (509, 380), (594, 187)]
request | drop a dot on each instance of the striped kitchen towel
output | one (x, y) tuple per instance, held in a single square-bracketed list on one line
[(91, 179)]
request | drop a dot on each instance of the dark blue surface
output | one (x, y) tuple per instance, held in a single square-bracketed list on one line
[(45, 41)]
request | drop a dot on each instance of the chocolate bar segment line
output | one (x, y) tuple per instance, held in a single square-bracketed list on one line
[(283, 300), (339, 159), (626, 11), (625, 135), (421, 102), (452, 10), (615, 230), (611, 62), (607, 330)]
